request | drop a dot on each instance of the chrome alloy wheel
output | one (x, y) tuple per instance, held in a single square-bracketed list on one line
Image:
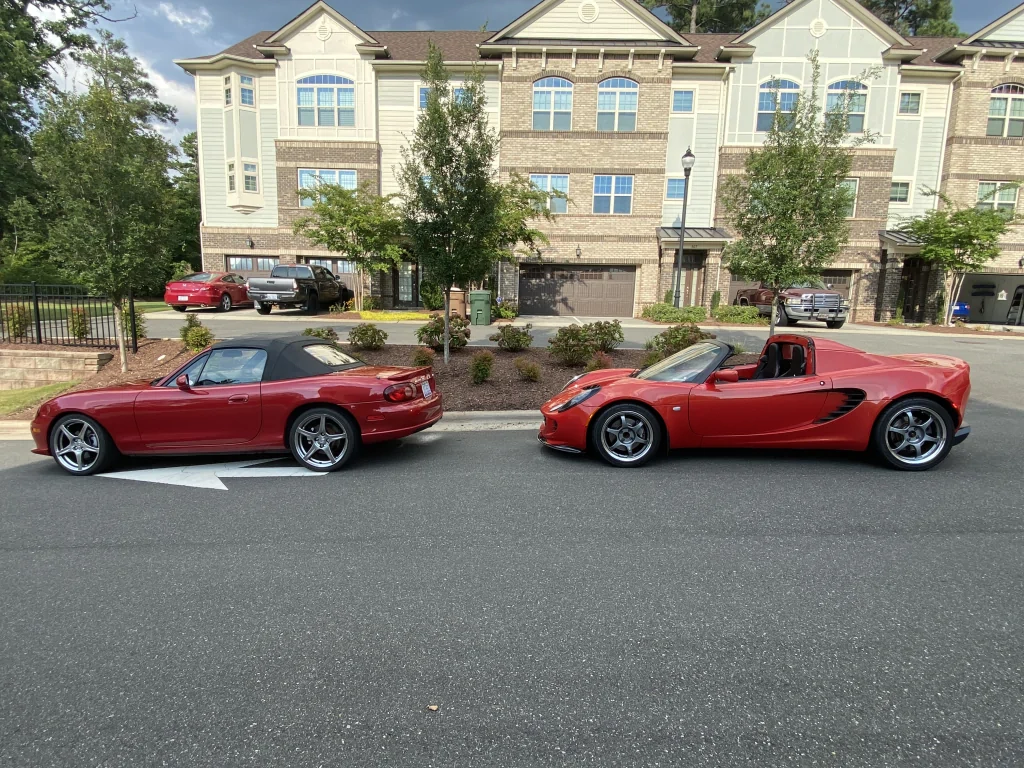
[(76, 445), (322, 440), (628, 436), (225, 303), (915, 435)]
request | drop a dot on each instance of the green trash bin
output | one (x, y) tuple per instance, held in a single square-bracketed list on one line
[(480, 307)]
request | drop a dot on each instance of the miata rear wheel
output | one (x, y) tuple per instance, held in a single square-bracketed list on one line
[(914, 434), (81, 446), (323, 439), (626, 435)]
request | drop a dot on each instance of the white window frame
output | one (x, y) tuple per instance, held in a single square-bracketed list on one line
[(231, 177), (856, 194), (320, 174), (325, 106), (251, 171), (543, 182), (859, 90), (910, 192), (785, 88), (229, 259), (617, 87), (1010, 94), (920, 104), (552, 87), (227, 91), (243, 90), (613, 195), (997, 203), (668, 187), (693, 101)]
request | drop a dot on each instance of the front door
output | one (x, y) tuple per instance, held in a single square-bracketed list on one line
[(692, 279), (406, 284), (757, 407), (222, 405)]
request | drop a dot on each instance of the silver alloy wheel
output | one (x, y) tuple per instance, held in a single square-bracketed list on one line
[(225, 303), (76, 445), (628, 436), (322, 436), (915, 435)]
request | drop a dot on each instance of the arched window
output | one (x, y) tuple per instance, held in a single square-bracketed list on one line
[(788, 93), (858, 93), (552, 104), (326, 100), (616, 104), (1006, 111)]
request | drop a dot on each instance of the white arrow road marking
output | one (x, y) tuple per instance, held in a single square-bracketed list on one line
[(209, 475)]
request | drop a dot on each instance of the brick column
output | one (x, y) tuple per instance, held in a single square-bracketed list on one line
[(715, 275)]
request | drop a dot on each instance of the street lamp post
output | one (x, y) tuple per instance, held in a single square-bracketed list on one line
[(688, 160)]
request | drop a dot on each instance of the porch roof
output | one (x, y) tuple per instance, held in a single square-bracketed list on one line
[(899, 239), (707, 236)]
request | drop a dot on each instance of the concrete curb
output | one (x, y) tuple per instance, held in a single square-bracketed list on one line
[(15, 430)]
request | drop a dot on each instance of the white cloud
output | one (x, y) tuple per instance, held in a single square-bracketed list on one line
[(199, 19)]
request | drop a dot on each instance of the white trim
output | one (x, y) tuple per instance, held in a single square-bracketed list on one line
[(910, 191), (899, 103), (319, 7), (868, 19)]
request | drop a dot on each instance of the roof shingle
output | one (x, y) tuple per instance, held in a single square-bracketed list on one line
[(460, 45)]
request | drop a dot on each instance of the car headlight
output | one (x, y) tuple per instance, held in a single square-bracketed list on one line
[(794, 302), (572, 381), (577, 399)]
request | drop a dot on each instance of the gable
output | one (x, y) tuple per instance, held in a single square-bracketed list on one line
[(817, 17), (1008, 28), (319, 19), (589, 20), (823, 26)]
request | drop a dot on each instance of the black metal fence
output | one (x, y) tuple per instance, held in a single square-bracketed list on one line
[(65, 315)]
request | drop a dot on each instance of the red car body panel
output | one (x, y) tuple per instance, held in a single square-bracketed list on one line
[(145, 418), (796, 412), (206, 294)]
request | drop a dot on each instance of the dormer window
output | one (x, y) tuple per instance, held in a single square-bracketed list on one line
[(326, 101)]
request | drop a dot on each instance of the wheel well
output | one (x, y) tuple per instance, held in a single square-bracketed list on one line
[(606, 406), (937, 399), (309, 407), (743, 302), (62, 414)]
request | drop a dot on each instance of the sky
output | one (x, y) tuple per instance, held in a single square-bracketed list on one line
[(159, 31)]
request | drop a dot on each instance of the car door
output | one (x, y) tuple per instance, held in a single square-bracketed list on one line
[(326, 286), (221, 406), (750, 408)]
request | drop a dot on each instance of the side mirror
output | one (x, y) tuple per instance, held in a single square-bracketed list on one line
[(726, 377), (182, 382)]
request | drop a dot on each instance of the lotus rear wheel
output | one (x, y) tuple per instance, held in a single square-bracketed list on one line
[(914, 434), (626, 435)]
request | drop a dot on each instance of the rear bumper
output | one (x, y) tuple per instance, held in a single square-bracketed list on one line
[(279, 298), (961, 434), (396, 421), (200, 300)]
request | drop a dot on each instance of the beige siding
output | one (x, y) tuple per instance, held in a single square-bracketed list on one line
[(613, 22)]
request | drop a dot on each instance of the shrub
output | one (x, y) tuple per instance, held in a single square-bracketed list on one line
[(367, 336), (126, 322), (328, 334), (180, 269), (505, 309), (599, 361), (527, 371), (896, 319), (512, 339), (423, 356), (605, 334), (728, 313), (431, 295), (652, 357), (480, 366), (571, 346), (371, 303), (198, 338), (343, 306), (669, 295), (18, 320), (716, 300), (432, 334), (78, 324), (666, 313), (678, 337), (191, 321)]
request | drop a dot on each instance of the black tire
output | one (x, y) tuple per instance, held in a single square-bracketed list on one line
[(835, 324), (327, 423), (261, 308), (224, 305), (781, 318), (740, 302), (312, 305), (626, 420), (922, 426), (178, 307), (80, 446)]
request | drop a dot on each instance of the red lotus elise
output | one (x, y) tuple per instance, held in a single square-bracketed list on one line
[(301, 394), (802, 393)]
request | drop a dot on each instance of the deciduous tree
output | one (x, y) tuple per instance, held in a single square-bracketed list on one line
[(184, 211)]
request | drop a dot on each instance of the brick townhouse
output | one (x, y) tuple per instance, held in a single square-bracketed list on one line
[(600, 99)]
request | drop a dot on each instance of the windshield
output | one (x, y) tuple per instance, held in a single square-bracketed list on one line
[(688, 365), (199, 277), (811, 284), (328, 354)]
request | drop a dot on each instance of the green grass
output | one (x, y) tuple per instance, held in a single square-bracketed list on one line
[(57, 310), (384, 316), (13, 400), (151, 306)]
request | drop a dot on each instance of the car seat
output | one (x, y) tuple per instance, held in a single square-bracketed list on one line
[(768, 365), (798, 363)]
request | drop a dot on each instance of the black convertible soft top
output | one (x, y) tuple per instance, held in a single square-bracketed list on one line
[(286, 356)]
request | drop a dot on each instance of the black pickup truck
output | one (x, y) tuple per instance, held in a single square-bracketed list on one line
[(298, 285)]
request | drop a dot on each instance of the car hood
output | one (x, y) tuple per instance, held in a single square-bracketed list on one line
[(798, 292)]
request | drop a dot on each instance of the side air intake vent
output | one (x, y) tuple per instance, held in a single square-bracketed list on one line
[(851, 399)]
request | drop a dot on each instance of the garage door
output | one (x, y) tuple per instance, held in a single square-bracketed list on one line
[(584, 291)]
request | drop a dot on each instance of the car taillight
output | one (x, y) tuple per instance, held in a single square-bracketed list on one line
[(400, 393)]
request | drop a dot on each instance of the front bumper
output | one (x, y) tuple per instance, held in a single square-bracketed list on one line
[(821, 314), (40, 429), (961, 434), (565, 431)]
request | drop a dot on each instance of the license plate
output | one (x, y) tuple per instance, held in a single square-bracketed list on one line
[(183, 298), (270, 296), (426, 389)]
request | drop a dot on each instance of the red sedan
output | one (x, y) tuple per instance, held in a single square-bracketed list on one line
[(803, 393), (223, 290), (298, 394)]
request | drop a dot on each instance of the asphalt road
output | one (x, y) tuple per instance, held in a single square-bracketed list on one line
[(715, 609)]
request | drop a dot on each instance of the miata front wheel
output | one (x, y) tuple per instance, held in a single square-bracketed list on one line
[(81, 446), (626, 435), (323, 439), (914, 434)]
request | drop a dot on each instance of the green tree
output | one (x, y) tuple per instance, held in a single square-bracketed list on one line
[(712, 15), (105, 167), (457, 217), (958, 240), (184, 211), (360, 225), (916, 17), (790, 205)]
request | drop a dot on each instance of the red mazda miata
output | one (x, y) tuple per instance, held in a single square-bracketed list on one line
[(802, 393), (301, 394)]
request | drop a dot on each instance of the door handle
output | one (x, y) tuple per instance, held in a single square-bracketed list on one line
[(238, 399)]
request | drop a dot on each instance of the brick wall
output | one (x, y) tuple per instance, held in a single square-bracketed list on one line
[(23, 369)]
